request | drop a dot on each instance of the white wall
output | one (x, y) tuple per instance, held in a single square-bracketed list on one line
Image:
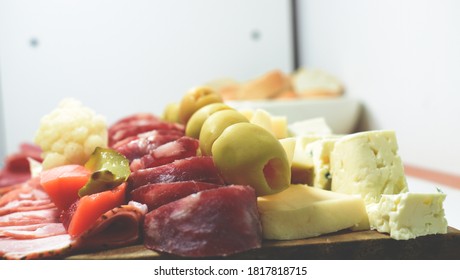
[(126, 56), (402, 59)]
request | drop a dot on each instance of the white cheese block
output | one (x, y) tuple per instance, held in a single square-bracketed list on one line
[(301, 211), (367, 163), (408, 215), (320, 151), (315, 126)]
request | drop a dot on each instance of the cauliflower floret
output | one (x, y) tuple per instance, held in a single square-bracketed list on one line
[(70, 133)]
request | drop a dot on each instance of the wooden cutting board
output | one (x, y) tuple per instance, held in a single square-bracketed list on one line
[(362, 245)]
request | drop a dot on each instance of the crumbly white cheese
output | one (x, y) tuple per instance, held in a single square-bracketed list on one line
[(320, 151), (367, 163), (408, 215), (301, 211)]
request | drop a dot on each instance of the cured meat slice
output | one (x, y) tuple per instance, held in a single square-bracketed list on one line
[(138, 146), (30, 217), (120, 226), (181, 148), (26, 205), (46, 247), (31, 227), (156, 195), (24, 191), (18, 162), (136, 124), (216, 222), (200, 169), (132, 120), (28, 232), (8, 178), (17, 169)]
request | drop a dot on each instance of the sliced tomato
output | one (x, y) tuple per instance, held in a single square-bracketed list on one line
[(62, 183), (90, 207)]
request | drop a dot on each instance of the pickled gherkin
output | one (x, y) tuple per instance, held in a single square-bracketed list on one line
[(109, 169)]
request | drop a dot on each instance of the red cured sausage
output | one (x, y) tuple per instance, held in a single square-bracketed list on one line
[(200, 169), (181, 148), (156, 195), (216, 222)]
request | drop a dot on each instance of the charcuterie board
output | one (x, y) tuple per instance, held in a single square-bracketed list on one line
[(360, 245)]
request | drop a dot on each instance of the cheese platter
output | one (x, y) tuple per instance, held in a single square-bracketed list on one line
[(208, 181)]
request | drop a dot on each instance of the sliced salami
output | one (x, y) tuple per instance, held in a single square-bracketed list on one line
[(156, 195), (200, 169), (137, 146), (126, 128), (216, 222), (181, 148)]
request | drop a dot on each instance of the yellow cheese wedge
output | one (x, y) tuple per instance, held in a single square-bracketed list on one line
[(302, 211), (289, 146)]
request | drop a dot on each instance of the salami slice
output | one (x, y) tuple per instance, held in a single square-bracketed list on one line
[(136, 124), (216, 222), (156, 195), (137, 146), (181, 148), (200, 169)]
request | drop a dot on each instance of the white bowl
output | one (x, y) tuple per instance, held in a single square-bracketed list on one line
[(341, 114)]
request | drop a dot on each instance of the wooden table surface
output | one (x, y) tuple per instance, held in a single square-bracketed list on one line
[(361, 245)]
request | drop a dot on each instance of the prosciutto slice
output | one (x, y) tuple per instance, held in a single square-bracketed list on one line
[(30, 217), (200, 169), (26, 205), (156, 195), (33, 231), (51, 246), (216, 222)]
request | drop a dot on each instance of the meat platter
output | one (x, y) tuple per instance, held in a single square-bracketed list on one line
[(206, 181)]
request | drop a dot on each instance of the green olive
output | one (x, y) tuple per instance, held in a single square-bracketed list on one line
[(247, 154), (195, 122), (214, 125), (194, 100), (171, 113)]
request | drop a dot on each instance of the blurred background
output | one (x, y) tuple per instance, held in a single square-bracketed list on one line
[(399, 59)]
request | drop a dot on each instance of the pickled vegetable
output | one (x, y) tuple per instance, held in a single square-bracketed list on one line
[(109, 169)]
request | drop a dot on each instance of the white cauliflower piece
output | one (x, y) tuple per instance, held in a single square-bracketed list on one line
[(70, 133)]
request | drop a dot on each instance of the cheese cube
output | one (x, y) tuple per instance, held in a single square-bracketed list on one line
[(289, 147), (367, 163), (301, 211), (315, 126), (408, 215), (276, 125), (320, 151)]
